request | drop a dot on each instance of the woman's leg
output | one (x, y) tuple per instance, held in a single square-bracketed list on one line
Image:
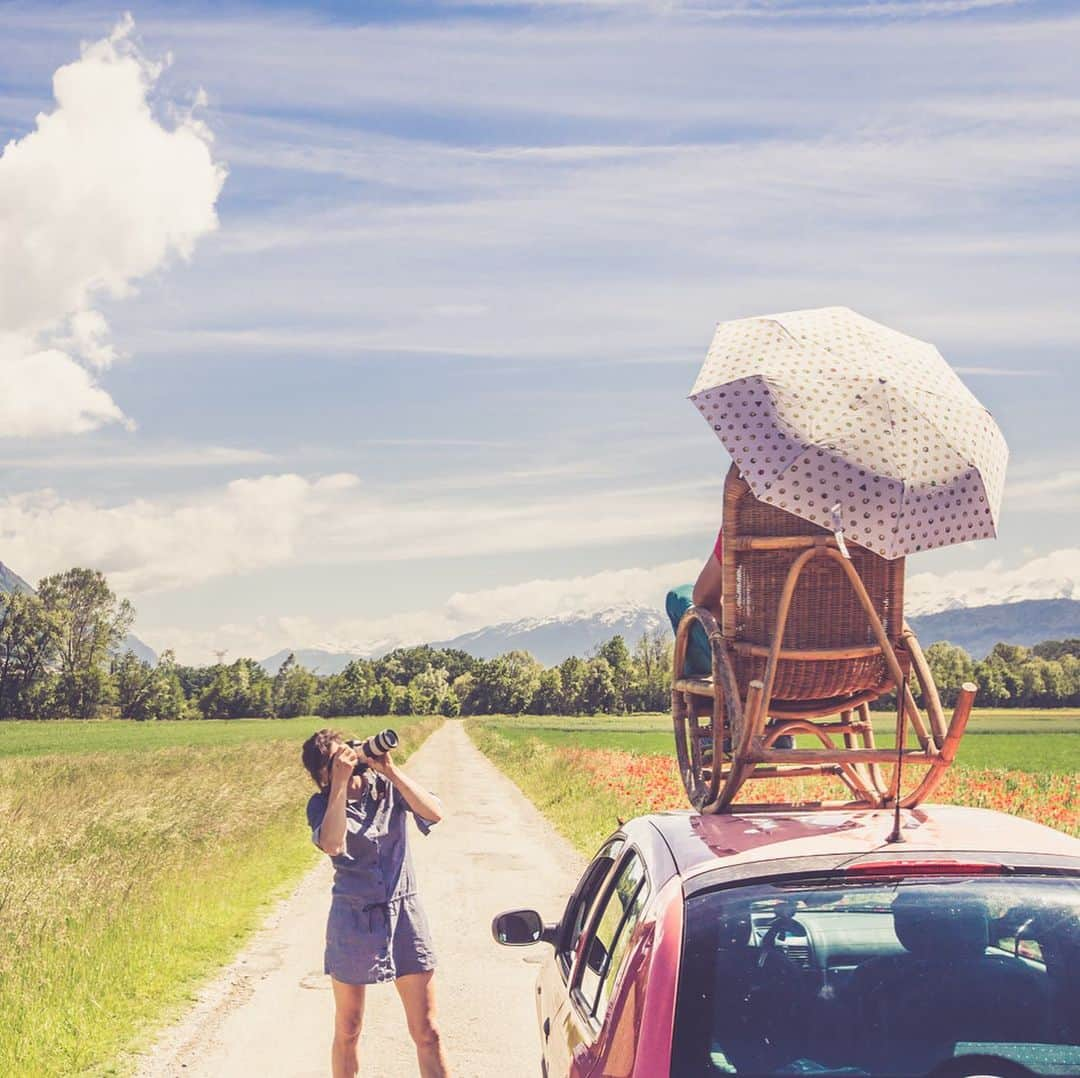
[(698, 651), (417, 991), (348, 1018)]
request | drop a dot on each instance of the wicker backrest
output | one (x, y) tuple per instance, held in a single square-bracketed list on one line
[(825, 611)]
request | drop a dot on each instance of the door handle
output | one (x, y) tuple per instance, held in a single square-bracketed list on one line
[(547, 1028)]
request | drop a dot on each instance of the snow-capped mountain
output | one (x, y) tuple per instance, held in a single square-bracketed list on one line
[(1052, 576), (974, 609), (552, 639)]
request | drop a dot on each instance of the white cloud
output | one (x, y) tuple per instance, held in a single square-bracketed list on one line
[(1050, 576), (463, 612), (148, 544), (43, 391), (171, 457), (98, 196)]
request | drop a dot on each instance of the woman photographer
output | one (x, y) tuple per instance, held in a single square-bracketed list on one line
[(376, 931)]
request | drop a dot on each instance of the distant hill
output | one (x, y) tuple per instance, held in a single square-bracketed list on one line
[(11, 581), (975, 629), (978, 628), (317, 659), (555, 638)]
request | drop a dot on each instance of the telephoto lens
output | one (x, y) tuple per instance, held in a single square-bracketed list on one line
[(377, 745), (382, 743)]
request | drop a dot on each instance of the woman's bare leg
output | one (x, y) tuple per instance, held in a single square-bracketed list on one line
[(348, 1018), (417, 991)]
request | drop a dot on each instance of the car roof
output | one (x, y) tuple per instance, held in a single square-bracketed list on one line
[(700, 843)]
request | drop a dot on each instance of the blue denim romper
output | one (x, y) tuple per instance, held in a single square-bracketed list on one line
[(376, 930)]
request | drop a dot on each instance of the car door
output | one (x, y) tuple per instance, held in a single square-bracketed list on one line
[(553, 990), (602, 955)]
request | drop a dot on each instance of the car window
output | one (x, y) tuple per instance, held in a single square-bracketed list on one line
[(577, 909), (936, 970), (606, 949)]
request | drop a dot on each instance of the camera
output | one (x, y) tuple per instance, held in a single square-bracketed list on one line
[(377, 745)]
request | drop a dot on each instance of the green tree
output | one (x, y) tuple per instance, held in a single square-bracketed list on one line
[(29, 639), (384, 698), (91, 622), (549, 694), (572, 671), (242, 690), (293, 690), (950, 666), (1058, 649), (652, 673), (350, 692), (505, 685), (145, 691), (617, 656), (463, 687), (599, 692), (430, 687)]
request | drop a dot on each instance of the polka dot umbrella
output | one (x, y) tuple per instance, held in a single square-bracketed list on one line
[(853, 426)]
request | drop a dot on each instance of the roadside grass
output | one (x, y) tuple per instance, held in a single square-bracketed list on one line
[(128, 874), (585, 780), (583, 811), (1042, 741)]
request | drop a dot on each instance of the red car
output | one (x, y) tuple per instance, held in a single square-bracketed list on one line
[(804, 943)]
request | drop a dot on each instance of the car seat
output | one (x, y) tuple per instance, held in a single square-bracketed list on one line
[(916, 1006)]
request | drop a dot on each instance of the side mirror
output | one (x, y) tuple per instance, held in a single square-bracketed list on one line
[(521, 928)]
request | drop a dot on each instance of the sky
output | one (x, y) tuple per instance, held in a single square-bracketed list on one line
[(332, 324)]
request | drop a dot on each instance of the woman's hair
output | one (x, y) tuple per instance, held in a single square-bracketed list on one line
[(317, 752)]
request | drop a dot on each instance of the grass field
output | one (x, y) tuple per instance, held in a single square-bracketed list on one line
[(1045, 741), (120, 735), (135, 859), (586, 773)]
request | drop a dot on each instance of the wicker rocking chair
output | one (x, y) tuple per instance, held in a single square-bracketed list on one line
[(808, 640)]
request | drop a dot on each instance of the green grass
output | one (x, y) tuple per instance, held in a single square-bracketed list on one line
[(131, 869), (1018, 740), (25, 738)]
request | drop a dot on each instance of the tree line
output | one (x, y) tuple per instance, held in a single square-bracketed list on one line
[(62, 656)]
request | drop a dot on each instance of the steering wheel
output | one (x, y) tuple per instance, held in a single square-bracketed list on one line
[(767, 947)]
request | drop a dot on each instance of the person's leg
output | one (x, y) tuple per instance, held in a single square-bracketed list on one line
[(417, 991), (348, 1018), (698, 652)]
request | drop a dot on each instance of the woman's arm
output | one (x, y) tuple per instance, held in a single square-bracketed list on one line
[(423, 802), (332, 830), (709, 589)]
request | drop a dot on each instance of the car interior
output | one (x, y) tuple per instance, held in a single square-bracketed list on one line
[(912, 978)]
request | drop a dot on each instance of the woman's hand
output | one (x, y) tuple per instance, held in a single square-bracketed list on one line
[(384, 765), (341, 769)]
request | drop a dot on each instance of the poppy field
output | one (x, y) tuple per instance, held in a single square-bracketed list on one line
[(585, 774)]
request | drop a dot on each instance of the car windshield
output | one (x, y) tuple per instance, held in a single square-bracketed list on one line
[(913, 976)]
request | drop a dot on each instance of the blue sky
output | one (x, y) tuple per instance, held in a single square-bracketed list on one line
[(429, 369)]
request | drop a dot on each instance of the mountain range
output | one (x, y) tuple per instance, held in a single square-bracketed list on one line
[(975, 629), (551, 639)]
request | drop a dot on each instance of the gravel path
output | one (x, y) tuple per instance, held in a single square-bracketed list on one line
[(270, 1013)]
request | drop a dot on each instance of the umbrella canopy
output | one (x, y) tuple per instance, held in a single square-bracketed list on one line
[(853, 426)]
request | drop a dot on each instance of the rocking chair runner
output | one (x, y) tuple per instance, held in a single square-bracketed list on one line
[(806, 635)]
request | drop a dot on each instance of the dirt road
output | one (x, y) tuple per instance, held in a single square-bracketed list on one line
[(270, 1013)]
